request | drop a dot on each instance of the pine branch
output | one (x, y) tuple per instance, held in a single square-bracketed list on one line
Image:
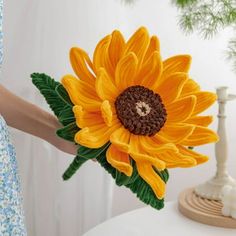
[(208, 17), (128, 2), (231, 52), (183, 3)]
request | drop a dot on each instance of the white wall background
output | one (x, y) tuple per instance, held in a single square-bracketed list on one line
[(38, 36)]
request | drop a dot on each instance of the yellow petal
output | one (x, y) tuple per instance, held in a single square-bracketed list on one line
[(197, 156), (170, 89), (119, 160), (81, 93), (126, 71), (190, 87), (138, 153), (151, 145), (87, 119), (154, 45), (179, 63), (181, 109), (105, 88), (116, 47), (149, 175), (150, 71), (204, 100), (174, 160), (107, 113), (79, 116), (201, 135), (138, 43), (95, 136), (200, 120), (174, 133), (101, 56), (80, 61), (121, 139), (137, 156), (83, 137)]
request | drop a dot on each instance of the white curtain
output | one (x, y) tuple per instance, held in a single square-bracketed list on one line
[(37, 37)]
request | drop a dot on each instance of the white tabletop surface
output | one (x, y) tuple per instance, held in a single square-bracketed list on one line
[(150, 222)]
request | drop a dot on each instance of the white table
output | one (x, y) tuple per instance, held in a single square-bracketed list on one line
[(150, 222)]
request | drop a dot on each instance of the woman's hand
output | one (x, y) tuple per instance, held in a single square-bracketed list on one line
[(61, 144), (31, 119)]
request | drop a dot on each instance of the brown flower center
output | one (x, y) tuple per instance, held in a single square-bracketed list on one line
[(140, 110)]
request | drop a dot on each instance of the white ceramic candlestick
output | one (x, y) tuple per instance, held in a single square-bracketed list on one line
[(229, 201), (212, 189)]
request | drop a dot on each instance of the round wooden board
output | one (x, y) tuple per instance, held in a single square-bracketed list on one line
[(203, 210)]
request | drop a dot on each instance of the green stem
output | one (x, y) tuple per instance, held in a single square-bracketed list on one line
[(74, 166)]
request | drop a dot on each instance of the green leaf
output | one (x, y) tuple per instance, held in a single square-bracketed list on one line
[(62, 93), (91, 153), (47, 85), (103, 162), (121, 179), (163, 174), (144, 192), (68, 132), (66, 116)]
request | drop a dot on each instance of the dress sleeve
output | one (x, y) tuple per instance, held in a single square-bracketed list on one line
[(11, 208)]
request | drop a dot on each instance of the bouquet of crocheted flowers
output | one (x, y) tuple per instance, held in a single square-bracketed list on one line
[(133, 112)]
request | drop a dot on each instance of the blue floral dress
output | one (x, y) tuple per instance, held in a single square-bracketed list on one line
[(11, 210)]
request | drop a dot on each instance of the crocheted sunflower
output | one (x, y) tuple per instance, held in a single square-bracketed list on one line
[(145, 108)]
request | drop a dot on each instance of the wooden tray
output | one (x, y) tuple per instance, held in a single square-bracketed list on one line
[(203, 210)]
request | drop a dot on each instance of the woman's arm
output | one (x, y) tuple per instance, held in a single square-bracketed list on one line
[(31, 119)]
